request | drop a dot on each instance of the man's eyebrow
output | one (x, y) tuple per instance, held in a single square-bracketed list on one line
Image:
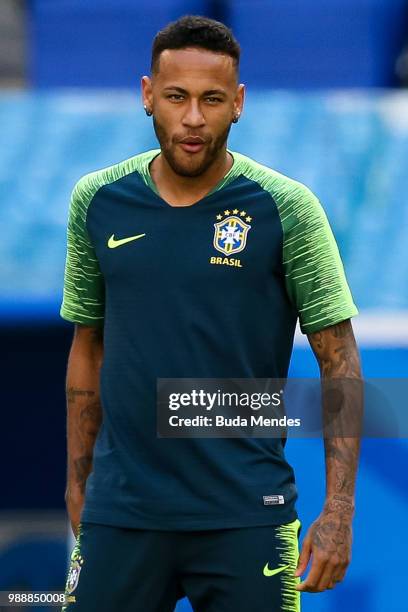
[(209, 92), (175, 88), (215, 92)]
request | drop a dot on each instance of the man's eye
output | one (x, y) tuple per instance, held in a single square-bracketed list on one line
[(213, 100), (175, 97)]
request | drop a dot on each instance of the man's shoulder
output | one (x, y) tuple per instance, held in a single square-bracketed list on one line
[(88, 185), (283, 189)]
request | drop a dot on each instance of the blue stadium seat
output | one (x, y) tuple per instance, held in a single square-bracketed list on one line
[(319, 43), (350, 149), (104, 43)]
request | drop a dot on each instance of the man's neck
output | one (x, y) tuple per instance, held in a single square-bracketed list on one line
[(179, 190)]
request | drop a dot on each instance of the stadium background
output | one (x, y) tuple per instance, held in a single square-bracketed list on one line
[(326, 104)]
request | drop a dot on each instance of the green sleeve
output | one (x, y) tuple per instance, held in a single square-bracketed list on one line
[(314, 273), (84, 291)]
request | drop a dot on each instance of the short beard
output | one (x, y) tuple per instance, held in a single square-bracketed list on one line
[(212, 151)]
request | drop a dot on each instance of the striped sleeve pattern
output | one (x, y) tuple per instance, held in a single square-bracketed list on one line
[(83, 295), (314, 273)]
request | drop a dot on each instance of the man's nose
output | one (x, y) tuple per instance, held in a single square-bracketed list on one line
[(193, 116)]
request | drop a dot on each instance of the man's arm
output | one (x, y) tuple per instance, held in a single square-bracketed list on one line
[(84, 413), (329, 538)]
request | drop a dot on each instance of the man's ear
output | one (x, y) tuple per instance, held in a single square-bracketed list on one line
[(239, 100), (147, 93)]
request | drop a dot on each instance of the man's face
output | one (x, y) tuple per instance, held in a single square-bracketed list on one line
[(194, 96)]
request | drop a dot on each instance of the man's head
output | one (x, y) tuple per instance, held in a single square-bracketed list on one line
[(193, 92)]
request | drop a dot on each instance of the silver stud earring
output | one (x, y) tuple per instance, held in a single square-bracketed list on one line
[(147, 111), (235, 119)]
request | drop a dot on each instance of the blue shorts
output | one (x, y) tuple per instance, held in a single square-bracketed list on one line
[(247, 569)]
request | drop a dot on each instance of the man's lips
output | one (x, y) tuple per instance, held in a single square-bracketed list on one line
[(192, 144)]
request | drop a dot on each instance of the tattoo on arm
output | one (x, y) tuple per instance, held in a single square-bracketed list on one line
[(82, 468), (90, 418), (336, 351), (84, 418)]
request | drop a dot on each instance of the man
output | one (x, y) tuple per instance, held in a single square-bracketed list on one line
[(194, 261)]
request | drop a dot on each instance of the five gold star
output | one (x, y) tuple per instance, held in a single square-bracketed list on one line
[(243, 213)]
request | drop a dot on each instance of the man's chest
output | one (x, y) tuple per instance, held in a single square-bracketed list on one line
[(231, 238)]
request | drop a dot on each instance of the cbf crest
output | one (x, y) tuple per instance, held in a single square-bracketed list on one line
[(231, 232), (73, 574)]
